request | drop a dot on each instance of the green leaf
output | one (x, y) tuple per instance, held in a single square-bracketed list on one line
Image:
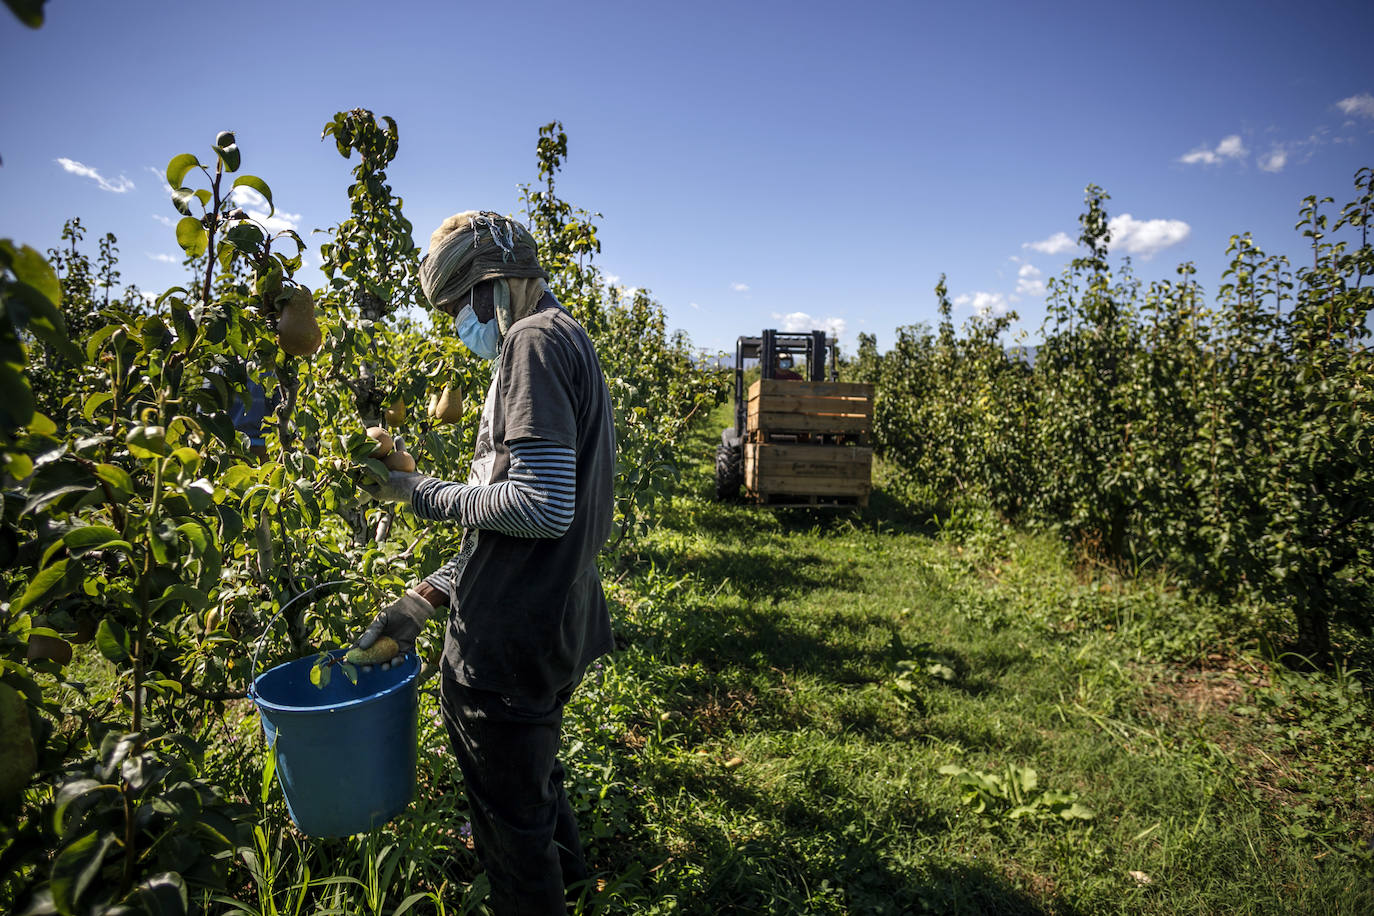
[(230, 156), (97, 339), (16, 398), (93, 402), (196, 534), (188, 456), (181, 199), (238, 477), (269, 763), (171, 292), (1077, 811), (43, 583), (164, 541), (191, 236), (113, 641), (32, 300), (29, 12), (319, 675), (245, 237), (118, 479), (18, 466), (90, 537), (178, 167), (310, 507), (350, 671), (72, 791), (33, 269), (40, 425), (41, 500), (379, 471), (257, 184), (147, 441), (164, 894), (187, 594), (76, 867), (115, 747)]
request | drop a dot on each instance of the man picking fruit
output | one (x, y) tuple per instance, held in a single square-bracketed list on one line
[(526, 613)]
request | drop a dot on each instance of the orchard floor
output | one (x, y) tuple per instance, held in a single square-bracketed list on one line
[(821, 713)]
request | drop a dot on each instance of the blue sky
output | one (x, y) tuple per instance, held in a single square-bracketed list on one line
[(756, 164)]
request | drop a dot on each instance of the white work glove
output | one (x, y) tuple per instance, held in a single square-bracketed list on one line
[(402, 620), (398, 488)]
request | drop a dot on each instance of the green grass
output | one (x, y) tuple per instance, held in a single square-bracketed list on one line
[(770, 733), (790, 684)]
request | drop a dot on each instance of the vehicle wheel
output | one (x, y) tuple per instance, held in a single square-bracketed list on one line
[(729, 471)]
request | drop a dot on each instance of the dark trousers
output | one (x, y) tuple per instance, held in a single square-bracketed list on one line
[(522, 824)]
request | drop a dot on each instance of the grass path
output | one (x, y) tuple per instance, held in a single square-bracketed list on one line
[(771, 735)]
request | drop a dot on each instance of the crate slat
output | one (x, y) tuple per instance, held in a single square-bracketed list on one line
[(769, 422), (853, 407), (810, 486), (832, 454), (807, 470), (823, 389)]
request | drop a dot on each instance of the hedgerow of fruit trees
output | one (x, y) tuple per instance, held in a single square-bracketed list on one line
[(137, 523), (1231, 442)]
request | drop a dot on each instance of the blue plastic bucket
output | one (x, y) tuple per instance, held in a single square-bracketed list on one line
[(345, 754)]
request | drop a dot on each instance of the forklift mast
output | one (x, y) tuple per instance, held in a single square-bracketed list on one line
[(818, 350)]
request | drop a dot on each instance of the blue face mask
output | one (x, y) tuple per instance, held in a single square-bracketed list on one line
[(484, 340)]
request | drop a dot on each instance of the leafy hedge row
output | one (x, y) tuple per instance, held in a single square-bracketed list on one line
[(1231, 441), (137, 523)]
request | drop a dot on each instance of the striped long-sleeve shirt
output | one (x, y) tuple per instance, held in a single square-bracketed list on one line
[(537, 500)]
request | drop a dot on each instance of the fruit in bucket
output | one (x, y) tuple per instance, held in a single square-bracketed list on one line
[(383, 650)]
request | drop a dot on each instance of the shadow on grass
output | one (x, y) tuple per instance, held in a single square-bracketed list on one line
[(967, 890), (814, 854), (883, 512), (756, 572)]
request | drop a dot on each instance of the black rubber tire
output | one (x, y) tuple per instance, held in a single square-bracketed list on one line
[(729, 472)]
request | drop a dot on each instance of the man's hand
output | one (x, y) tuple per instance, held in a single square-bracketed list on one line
[(397, 489), (402, 621)]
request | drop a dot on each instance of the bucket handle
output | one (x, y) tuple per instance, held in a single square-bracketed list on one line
[(257, 647)]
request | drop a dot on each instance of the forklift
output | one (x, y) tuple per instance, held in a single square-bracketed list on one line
[(798, 440)]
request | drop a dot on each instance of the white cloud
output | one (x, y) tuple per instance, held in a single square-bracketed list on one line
[(117, 186), (1274, 160), (1058, 243), (1146, 237), (694, 305), (1231, 147), (740, 287), (256, 205), (1028, 282), (983, 303), (1362, 104), (164, 220), (161, 179), (164, 258), (612, 279), (797, 322)]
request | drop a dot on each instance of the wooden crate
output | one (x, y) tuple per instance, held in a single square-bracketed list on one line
[(807, 474), (781, 407)]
